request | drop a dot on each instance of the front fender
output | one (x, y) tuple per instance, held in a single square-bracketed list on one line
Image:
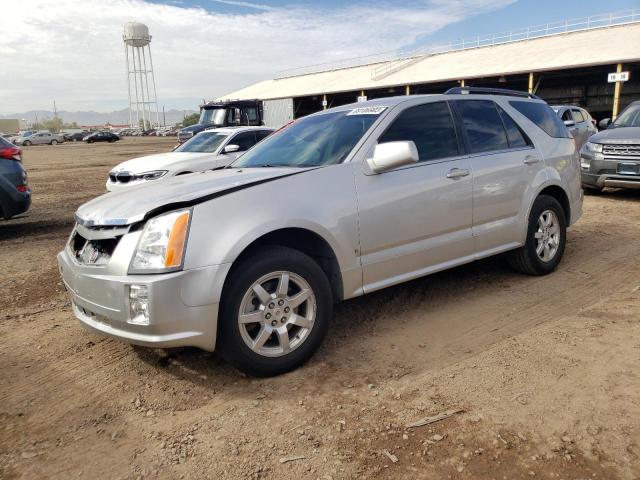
[(321, 201)]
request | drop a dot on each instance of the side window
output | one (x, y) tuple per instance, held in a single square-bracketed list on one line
[(541, 114), (577, 116), (430, 127), (567, 115), (517, 138), (244, 140), (262, 134), (483, 125), (250, 115)]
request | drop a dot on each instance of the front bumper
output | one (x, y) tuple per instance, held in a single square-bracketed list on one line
[(609, 180), (181, 311), (604, 171)]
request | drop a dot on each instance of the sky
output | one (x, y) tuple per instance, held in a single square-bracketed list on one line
[(71, 51)]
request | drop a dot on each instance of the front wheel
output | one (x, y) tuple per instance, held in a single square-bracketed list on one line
[(275, 312), (546, 239), (26, 143), (54, 142)]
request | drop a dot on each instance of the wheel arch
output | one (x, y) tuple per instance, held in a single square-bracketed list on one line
[(557, 192), (305, 241)]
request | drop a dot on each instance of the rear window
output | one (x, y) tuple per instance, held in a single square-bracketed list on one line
[(542, 115)]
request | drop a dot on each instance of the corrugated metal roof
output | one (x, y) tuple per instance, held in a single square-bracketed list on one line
[(576, 49)]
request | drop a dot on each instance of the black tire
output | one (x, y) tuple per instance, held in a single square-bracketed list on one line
[(264, 261), (525, 259), (53, 142), (26, 143)]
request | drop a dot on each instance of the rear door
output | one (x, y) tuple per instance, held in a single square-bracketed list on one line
[(581, 126), (504, 164), (416, 219)]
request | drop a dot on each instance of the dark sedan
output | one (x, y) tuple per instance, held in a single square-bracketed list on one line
[(15, 194), (101, 137), (74, 137)]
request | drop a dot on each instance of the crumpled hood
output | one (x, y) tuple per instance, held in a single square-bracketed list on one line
[(130, 206), (617, 135), (158, 161)]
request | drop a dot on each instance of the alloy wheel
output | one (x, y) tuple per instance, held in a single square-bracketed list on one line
[(277, 314), (547, 236)]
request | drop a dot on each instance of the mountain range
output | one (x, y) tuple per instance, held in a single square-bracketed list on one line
[(118, 117)]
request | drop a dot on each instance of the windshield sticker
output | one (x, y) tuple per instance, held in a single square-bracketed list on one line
[(367, 111)]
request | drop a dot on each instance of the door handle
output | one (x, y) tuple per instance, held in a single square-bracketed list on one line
[(530, 160), (457, 173)]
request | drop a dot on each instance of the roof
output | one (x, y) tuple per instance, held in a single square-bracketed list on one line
[(601, 46)]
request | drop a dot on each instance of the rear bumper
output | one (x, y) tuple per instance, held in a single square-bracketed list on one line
[(15, 203), (101, 304)]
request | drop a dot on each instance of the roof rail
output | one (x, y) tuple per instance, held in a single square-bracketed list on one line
[(489, 91)]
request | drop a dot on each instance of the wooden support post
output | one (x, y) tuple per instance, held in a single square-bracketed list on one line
[(531, 82), (407, 90), (462, 82), (324, 101), (616, 95)]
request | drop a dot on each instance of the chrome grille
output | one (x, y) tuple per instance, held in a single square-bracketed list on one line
[(622, 151)]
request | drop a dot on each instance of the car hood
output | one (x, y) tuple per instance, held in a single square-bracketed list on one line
[(160, 161), (130, 206), (617, 135)]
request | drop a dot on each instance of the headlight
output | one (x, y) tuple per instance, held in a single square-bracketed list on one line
[(593, 147), (162, 243), (153, 175), (585, 163)]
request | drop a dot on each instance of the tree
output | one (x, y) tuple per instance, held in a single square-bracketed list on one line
[(191, 119)]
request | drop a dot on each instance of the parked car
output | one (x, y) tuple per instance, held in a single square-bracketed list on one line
[(101, 137), (250, 259), (208, 150), (611, 158), (21, 134), (40, 138), (74, 137), (15, 193), (578, 121)]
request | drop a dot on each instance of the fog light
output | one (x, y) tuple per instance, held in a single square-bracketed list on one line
[(585, 163), (138, 305)]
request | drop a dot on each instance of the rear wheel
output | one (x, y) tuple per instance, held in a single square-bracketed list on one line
[(276, 310), (546, 239), (26, 143)]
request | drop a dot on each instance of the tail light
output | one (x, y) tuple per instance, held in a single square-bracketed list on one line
[(11, 153)]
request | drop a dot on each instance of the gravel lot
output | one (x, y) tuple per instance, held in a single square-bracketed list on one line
[(544, 371)]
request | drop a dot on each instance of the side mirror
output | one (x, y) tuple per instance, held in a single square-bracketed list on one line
[(390, 155), (604, 123), (231, 148), (569, 123)]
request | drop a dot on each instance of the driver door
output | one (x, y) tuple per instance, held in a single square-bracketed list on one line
[(417, 219)]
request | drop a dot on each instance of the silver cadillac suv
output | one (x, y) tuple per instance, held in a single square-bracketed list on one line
[(249, 260)]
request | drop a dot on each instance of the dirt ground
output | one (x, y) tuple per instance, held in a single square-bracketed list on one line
[(545, 370)]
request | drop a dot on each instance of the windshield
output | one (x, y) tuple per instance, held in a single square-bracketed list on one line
[(630, 117), (204, 142), (312, 141), (213, 116)]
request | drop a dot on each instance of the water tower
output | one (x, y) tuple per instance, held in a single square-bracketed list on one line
[(143, 100)]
